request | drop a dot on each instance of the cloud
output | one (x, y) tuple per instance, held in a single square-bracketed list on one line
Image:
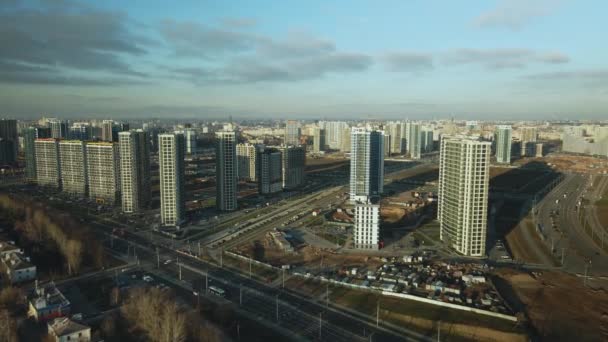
[(514, 14), (588, 79), (235, 57), (408, 62), (239, 22), (506, 58), (62, 36)]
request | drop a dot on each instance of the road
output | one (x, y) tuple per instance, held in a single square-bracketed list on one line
[(568, 237)]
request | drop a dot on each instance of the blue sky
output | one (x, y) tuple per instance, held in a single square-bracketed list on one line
[(505, 59)]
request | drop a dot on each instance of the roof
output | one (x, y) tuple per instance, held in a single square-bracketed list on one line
[(48, 296), (15, 261), (64, 326), (6, 247)]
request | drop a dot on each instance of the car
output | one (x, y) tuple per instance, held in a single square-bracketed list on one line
[(147, 278), (167, 262)]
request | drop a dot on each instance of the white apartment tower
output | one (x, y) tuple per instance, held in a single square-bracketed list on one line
[(292, 133), (134, 170), (528, 136), (269, 171), (73, 164), (226, 170), (367, 225), (503, 144), (366, 164), (48, 170), (103, 171), (171, 166), (464, 165)]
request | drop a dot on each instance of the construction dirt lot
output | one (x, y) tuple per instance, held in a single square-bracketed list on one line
[(571, 163), (266, 250), (558, 306)]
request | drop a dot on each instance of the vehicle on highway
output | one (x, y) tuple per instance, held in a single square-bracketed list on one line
[(217, 291), (147, 279), (167, 262)]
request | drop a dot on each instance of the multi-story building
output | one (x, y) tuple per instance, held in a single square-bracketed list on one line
[(367, 225), (246, 155), (427, 140), (171, 165), (59, 128), (502, 141), (103, 171), (463, 194), (226, 170), (48, 303), (318, 142), (345, 146), (10, 141), (387, 145), (134, 170), (81, 131), (29, 149), (73, 164), (18, 268), (528, 136), (333, 133), (269, 171), (48, 172), (394, 130), (366, 164), (294, 161), (292, 133), (414, 140), (63, 329), (107, 128)]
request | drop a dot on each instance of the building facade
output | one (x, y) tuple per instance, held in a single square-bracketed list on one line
[(292, 133), (366, 164), (48, 171), (103, 171), (226, 170), (73, 164), (171, 166), (528, 136), (318, 142), (134, 170), (414, 140), (269, 171), (10, 141), (503, 144), (294, 161), (367, 226), (29, 149), (463, 194), (246, 155)]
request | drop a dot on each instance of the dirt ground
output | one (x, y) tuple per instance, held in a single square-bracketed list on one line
[(267, 251), (559, 307), (392, 214), (571, 163)]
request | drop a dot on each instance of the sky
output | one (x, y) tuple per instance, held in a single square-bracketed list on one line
[(313, 59)]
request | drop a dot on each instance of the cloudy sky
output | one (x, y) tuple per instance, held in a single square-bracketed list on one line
[(510, 59)]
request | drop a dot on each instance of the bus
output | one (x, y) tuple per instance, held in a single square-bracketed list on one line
[(217, 291)]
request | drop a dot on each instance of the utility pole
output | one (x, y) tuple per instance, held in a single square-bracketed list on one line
[(241, 294), (222, 258), (250, 268), (377, 313), (199, 249), (563, 250), (438, 331), (206, 283), (326, 295), (180, 271), (320, 324), (277, 306), (283, 285), (157, 258)]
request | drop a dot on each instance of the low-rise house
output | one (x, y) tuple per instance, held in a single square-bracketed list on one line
[(7, 247), (18, 268), (63, 329), (47, 303)]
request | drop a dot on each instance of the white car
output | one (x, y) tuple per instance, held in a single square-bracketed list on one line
[(147, 279)]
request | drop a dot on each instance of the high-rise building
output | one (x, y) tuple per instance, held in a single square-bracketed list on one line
[(43, 132), (345, 147), (103, 171), (405, 136), (81, 131), (503, 144), (190, 137), (366, 164), (246, 155), (269, 171), (427, 140), (333, 133), (528, 136), (367, 225), (73, 164), (318, 143), (387, 145), (171, 165), (107, 129), (29, 144), (292, 133), (463, 194), (294, 161), (226, 170), (59, 128), (394, 130), (414, 140), (134, 170), (9, 141), (48, 172)]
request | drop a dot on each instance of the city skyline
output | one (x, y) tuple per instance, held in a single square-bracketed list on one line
[(398, 60)]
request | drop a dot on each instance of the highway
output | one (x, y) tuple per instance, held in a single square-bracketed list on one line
[(561, 225)]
